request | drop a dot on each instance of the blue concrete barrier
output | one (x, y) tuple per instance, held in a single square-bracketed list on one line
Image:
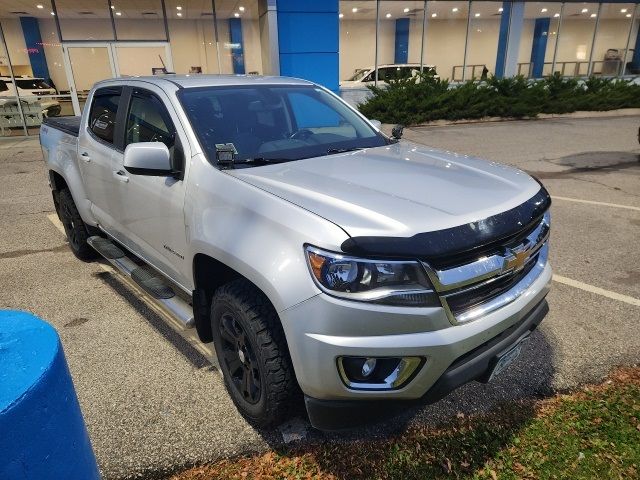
[(42, 433)]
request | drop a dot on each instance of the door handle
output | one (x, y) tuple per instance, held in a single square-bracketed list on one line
[(121, 176), (85, 156)]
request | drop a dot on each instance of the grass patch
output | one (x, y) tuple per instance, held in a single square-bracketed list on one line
[(593, 433), (424, 98)]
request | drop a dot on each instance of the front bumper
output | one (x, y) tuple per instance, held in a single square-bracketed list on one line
[(474, 365), (323, 328)]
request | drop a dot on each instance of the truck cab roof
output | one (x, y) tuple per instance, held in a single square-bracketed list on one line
[(200, 80)]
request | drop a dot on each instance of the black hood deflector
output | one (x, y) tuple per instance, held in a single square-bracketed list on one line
[(441, 245)]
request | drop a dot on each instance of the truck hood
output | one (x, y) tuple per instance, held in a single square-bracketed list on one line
[(397, 190)]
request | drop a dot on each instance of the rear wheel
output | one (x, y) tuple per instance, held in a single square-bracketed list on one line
[(74, 227), (252, 353)]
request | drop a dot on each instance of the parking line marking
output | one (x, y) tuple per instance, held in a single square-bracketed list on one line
[(597, 290), (593, 202)]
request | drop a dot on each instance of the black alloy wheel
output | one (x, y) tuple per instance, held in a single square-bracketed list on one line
[(240, 359)]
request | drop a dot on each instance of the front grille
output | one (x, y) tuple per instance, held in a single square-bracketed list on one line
[(473, 297), (473, 286), (485, 250)]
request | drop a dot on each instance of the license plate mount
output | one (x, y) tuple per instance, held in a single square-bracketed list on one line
[(507, 358)]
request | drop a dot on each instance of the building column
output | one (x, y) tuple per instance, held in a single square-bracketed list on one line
[(509, 39), (635, 60), (308, 33), (268, 21), (539, 46), (402, 40), (237, 49), (35, 49)]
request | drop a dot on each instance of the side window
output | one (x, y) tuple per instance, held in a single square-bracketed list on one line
[(102, 118), (3, 86), (371, 77), (148, 120), (312, 113)]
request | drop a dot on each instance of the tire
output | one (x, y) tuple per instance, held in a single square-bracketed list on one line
[(74, 227), (252, 353)]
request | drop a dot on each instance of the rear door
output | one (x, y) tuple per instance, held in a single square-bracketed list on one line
[(98, 150), (150, 208)]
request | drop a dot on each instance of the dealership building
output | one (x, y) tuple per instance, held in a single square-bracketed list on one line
[(53, 51)]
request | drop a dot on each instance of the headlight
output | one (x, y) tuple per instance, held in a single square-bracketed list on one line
[(379, 281)]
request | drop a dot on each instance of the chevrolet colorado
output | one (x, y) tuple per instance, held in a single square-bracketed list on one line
[(319, 255)]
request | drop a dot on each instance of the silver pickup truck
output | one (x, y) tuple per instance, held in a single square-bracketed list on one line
[(324, 259)]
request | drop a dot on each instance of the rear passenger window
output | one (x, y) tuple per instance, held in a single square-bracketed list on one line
[(102, 118)]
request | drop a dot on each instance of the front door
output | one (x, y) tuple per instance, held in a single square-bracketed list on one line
[(149, 209)]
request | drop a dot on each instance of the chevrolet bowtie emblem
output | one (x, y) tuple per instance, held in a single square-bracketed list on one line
[(515, 260)]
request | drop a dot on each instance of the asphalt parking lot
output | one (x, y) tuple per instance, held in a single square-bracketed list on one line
[(152, 400)]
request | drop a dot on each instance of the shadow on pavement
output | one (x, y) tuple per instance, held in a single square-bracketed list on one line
[(511, 393)]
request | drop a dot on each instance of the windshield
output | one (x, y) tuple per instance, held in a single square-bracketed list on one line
[(360, 72), (34, 84), (273, 122)]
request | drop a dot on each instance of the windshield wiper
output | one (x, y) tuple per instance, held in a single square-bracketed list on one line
[(255, 161), (343, 150)]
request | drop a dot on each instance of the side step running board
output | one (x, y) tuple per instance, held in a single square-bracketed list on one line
[(158, 289)]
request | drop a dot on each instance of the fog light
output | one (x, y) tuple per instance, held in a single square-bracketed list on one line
[(368, 367), (377, 373)]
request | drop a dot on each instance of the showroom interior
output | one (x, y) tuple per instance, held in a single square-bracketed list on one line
[(53, 51)]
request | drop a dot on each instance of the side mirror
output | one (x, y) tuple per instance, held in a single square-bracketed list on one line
[(376, 123), (397, 131), (148, 158)]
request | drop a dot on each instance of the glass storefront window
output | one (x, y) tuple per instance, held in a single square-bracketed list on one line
[(446, 20), (139, 20), (239, 36), (84, 20), (538, 40), (400, 38), (575, 39), (192, 36), (358, 40), (610, 46), (631, 61), (482, 43)]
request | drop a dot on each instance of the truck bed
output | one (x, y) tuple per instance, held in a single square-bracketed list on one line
[(69, 125)]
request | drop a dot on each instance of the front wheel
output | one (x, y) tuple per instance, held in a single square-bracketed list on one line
[(252, 353), (74, 227)]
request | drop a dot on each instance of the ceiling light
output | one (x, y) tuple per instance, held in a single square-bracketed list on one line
[(434, 15), (556, 15), (178, 7), (454, 9), (341, 15), (354, 9), (501, 10), (406, 10), (628, 15), (622, 10), (593, 15), (584, 10), (477, 15), (179, 14), (42, 6), (241, 9), (118, 13), (112, 7), (544, 10), (388, 15), (236, 14), (52, 13)]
